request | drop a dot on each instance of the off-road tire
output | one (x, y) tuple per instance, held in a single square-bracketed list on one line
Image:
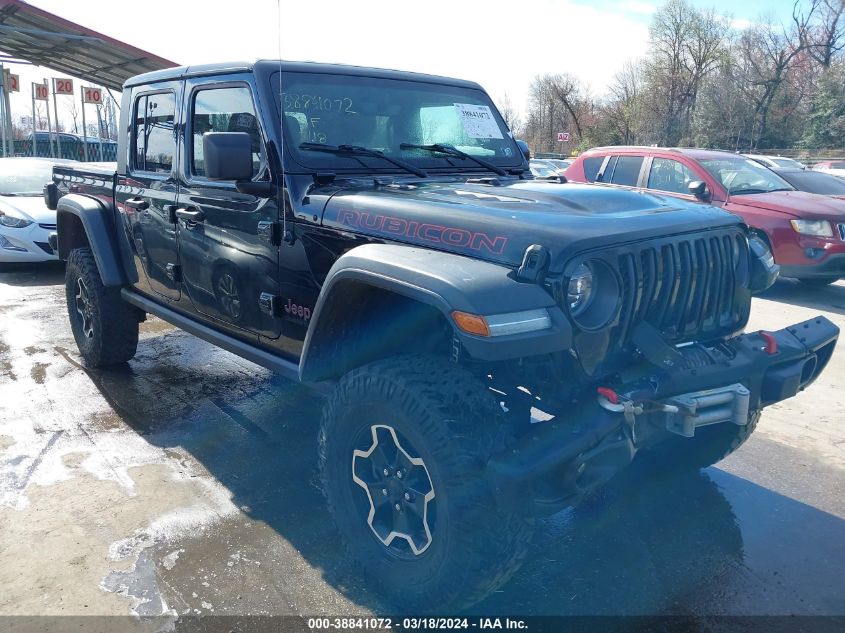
[(818, 282), (454, 424), (709, 445), (113, 337)]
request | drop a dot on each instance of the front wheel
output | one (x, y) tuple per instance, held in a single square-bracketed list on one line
[(403, 445), (104, 326)]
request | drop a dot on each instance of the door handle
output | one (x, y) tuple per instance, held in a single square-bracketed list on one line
[(190, 214), (137, 203)]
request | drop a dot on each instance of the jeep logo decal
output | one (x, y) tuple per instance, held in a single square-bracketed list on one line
[(434, 233), (298, 310)]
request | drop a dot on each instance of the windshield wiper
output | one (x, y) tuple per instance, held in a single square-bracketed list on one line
[(356, 150), (442, 148)]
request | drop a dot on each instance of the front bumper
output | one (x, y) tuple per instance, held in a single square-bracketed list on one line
[(831, 266), (560, 460)]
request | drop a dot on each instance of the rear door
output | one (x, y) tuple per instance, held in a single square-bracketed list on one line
[(228, 256), (147, 194)]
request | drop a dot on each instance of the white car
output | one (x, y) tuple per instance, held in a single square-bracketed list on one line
[(833, 167), (776, 162), (25, 221)]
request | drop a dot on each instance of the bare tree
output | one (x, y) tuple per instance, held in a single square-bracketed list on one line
[(686, 44), (509, 113)]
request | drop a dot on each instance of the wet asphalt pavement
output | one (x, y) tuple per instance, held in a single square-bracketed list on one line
[(185, 483)]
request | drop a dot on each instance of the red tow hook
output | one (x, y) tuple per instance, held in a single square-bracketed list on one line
[(611, 396), (771, 343)]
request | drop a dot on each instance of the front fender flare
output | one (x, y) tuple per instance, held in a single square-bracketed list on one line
[(446, 282), (97, 222)]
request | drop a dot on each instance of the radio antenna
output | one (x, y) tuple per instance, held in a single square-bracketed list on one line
[(284, 210)]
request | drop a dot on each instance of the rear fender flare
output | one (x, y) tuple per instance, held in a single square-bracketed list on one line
[(98, 226)]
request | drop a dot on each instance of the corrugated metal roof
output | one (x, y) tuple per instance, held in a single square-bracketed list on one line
[(40, 37)]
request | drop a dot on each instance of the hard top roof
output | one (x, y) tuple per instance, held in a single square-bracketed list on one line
[(269, 66)]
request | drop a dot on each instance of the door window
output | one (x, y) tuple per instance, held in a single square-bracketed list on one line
[(627, 171), (592, 166), (223, 110), (152, 134), (670, 175)]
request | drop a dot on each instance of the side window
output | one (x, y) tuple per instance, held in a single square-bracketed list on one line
[(627, 171), (607, 173), (223, 110), (152, 134), (670, 175), (592, 166)]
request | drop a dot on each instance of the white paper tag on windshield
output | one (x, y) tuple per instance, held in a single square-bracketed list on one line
[(478, 121)]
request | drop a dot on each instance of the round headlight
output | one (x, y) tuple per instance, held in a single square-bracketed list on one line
[(593, 295), (580, 289)]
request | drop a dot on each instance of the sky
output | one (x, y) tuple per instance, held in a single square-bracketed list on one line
[(502, 45)]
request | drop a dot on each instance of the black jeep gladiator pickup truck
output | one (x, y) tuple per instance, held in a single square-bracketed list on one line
[(493, 346)]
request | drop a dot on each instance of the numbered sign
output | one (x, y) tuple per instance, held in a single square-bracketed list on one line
[(40, 91), (11, 82), (563, 137), (63, 86), (92, 95)]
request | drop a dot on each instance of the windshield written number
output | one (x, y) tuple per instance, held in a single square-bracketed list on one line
[(302, 102)]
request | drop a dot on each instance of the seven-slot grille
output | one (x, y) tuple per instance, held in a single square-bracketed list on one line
[(683, 286)]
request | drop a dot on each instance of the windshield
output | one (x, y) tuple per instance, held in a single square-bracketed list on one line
[(787, 162), (744, 176), (24, 178), (382, 114), (543, 170), (817, 182)]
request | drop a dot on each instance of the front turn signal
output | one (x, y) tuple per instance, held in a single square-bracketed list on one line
[(471, 323)]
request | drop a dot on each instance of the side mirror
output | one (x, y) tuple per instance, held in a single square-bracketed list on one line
[(523, 147), (698, 188), (227, 155)]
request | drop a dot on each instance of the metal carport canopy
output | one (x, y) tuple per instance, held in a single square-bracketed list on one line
[(37, 36)]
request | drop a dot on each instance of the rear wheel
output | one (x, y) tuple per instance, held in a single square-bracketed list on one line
[(104, 326), (818, 282), (709, 445), (403, 445)]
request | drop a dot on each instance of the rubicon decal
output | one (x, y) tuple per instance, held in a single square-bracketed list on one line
[(433, 233)]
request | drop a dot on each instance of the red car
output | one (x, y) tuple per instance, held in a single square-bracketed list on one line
[(805, 231)]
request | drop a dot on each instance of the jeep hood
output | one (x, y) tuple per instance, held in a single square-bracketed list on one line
[(797, 204), (498, 222)]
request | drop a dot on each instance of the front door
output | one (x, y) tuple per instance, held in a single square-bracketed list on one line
[(226, 237), (146, 197)]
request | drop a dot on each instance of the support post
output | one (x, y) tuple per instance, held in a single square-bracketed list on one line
[(49, 124), (56, 112), (100, 132), (84, 128), (34, 126)]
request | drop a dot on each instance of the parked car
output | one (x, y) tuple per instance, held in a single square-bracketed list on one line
[(817, 182), (833, 167), (804, 230), (776, 162), (436, 294), (543, 169), (25, 221), (561, 164)]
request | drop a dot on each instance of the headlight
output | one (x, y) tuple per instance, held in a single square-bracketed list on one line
[(593, 294), (819, 228), (580, 289), (13, 222)]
